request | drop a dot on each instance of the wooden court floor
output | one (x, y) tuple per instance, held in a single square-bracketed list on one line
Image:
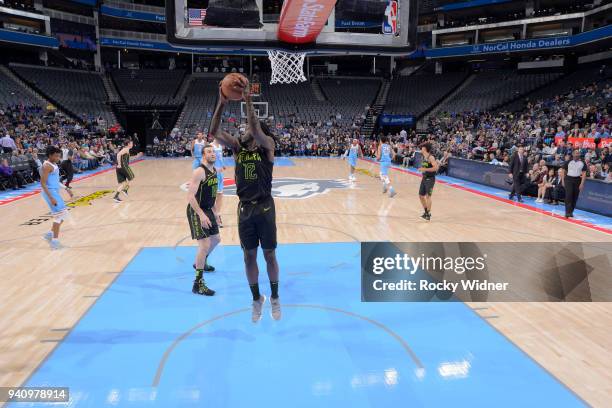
[(44, 293)]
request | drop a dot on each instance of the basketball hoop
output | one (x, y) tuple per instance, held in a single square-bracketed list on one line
[(287, 67)]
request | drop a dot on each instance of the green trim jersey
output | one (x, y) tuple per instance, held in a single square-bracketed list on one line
[(125, 161), (253, 175), (207, 190), (426, 164)]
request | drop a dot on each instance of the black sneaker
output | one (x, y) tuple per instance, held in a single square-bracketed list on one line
[(207, 268), (424, 215), (428, 216), (200, 288), (117, 199)]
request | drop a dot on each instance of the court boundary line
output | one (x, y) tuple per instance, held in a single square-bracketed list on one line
[(199, 325), (516, 346), (38, 190), (85, 313), (504, 200), (166, 356)]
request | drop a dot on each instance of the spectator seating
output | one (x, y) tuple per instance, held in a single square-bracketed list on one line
[(200, 103), (491, 89), (151, 87), (79, 92), (581, 77), (12, 93), (416, 94), (347, 99)]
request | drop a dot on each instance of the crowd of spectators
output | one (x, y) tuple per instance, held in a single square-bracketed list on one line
[(27, 130), (546, 128)]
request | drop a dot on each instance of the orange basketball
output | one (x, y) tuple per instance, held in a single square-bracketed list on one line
[(233, 85)]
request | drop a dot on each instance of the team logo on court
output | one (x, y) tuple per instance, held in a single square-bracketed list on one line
[(297, 188), (78, 202)]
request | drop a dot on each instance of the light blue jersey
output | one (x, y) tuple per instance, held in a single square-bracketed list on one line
[(385, 159), (352, 156), (197, 153), (54, 186), (219, 166)]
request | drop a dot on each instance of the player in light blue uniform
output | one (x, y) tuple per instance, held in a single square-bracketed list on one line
[(196, 150), (384, 155), (220, 167), (51, 186), (352, 153)]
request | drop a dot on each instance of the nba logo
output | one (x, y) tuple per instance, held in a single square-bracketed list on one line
[(390, 21)]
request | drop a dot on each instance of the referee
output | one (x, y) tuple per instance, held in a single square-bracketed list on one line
[(575, 174)]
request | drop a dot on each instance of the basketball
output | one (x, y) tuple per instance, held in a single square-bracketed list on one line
[(233, 85)]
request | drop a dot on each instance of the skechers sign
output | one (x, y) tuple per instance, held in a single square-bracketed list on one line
[(522, 45), (301, 21)]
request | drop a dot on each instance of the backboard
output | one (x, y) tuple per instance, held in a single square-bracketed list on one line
[(367, 27), (261, 109)]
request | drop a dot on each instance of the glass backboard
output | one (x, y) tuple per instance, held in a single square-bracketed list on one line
[(372, 27)]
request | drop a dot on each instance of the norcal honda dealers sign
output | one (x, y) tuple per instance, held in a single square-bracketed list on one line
[(301, 21)]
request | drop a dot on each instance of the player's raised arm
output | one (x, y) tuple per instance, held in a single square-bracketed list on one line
[(215, 126), (260, 137), (227, 140)]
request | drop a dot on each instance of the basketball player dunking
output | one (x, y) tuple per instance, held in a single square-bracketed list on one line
[(50, 183), (124, 171), (201, 214), (384, 156), (429, 168), (196, 150), (254, 155), (220, 167), (352, 153)]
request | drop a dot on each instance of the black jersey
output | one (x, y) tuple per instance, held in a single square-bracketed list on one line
[(207, 190), (125, 160), (253, 175), (426, 164)]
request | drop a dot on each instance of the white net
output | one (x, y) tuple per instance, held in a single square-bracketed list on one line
[(287, 67)]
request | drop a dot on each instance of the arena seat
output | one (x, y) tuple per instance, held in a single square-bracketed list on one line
[(79, 92), (491, 89), (13, 93), (149, 87), (416, 94)]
